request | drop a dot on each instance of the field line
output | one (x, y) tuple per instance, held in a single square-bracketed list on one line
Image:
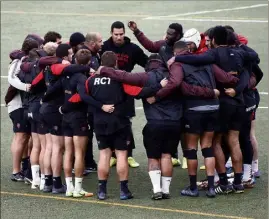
[(123, 205)]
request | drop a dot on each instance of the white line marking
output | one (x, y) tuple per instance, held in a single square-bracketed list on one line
[(4, 76), (263, 93), (205, 12), (210, 19), (140, 107)]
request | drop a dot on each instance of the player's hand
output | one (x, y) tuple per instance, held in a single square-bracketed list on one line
[(132, 25), (28, 87), (230, 92), (170, 62), (108, 108), (65, 62), (99, 70), (217, 93), (164, 82), (151, 100)]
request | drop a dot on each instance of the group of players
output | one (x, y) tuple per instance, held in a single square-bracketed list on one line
[(197, 88)]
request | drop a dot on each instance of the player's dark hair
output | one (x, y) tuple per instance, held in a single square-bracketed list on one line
[(51, 36), (29, 44), (117, 25), (177, 27), (228, 27), (209, 33), (220, 35), (62, 50), (232, 39)]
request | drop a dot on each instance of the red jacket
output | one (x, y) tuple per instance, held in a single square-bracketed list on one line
[(202, 47)]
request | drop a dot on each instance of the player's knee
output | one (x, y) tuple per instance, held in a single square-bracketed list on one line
[(207, 152), (191, 154)]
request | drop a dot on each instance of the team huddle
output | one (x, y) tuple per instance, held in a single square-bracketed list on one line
[(196, 89)]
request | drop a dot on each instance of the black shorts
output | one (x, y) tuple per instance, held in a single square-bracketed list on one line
[(37, 125), (75, 124), (200, 122), (231, 117), (20, 121), (53, 121), (160, 139), (115, 141), (257, 99)]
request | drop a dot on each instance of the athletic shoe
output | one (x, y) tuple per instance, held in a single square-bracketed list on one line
[(35, 184), (176, 162), (157, 196), (249, 184), (42, 185), (224, 189), (82, 193), (91, 169), (113, 161), (202, 167), (125, 195), (101, 195), (166, 196), (210, 193), (28, 176), (188, 192), (132, 162), (184, 163), (18, 177), (47, 189), (238, 188), (59, 191), (257, 174), (69, 193)]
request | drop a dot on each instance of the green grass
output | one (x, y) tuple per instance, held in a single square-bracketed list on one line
[(16, 26)]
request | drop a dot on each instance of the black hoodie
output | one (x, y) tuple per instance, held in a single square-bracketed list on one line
[(128, 54)]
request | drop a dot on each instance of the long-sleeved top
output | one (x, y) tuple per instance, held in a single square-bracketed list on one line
[(128, 55), (140, 79), (228, 59), (73, 85), (16, 101)]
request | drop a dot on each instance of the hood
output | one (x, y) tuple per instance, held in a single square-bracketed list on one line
[(16, 54), (36, 38)]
